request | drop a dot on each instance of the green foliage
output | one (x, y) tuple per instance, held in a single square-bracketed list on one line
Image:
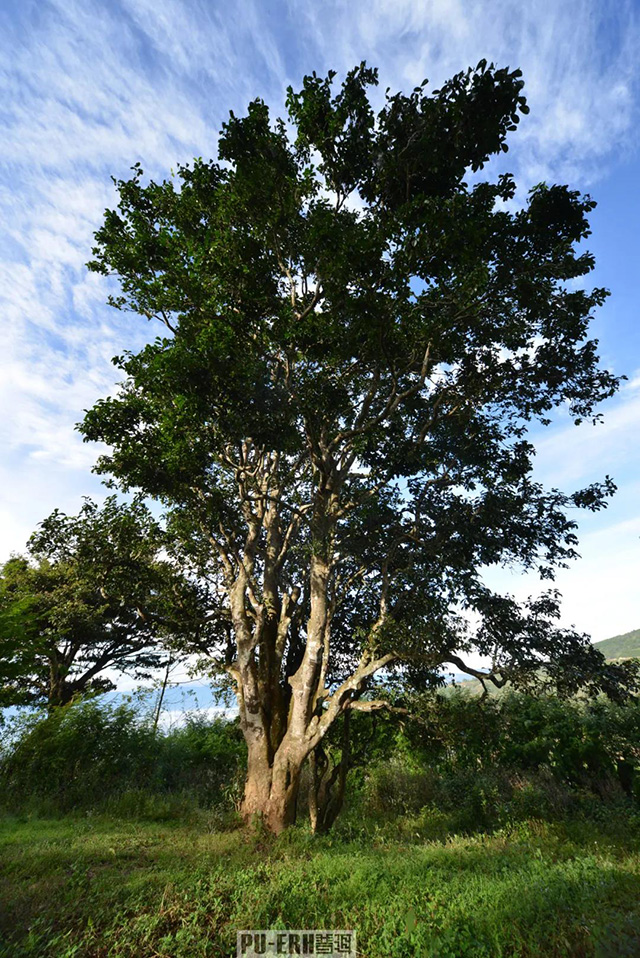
[(472, 764), (354, 344), (205, 758), (77, 755), (578, 741), (621, 646), (89, 755), (502, 832), (92, 594)]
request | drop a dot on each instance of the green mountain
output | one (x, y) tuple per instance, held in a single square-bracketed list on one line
[(625, 646)]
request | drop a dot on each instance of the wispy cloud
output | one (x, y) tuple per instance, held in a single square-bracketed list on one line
[(579, 59), (599, 590), (570, 454)]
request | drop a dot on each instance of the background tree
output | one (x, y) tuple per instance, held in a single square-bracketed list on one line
[(355, 343), (91, 594)]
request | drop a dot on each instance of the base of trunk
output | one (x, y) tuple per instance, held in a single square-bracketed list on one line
[(272, 797)]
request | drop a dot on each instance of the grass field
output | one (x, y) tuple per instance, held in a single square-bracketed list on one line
[(96, 886)]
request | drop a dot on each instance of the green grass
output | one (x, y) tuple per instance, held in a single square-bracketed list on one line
[(95, 886)]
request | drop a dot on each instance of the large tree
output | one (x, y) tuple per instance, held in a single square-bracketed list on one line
[(92, 595), (355, 342)]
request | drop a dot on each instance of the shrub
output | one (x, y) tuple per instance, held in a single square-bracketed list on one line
[(392, 788), (77, 755), (90, 754)]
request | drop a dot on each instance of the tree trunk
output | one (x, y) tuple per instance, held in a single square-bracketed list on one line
[(57, 693), (271, 791), (257, 790), (283, 797), (275, 759), (328, 783)]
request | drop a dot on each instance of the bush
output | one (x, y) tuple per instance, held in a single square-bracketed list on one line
[(581, 743), (77, 755), (486, 764), (393, 789), (481, 765), (93, 755), (207, 758)]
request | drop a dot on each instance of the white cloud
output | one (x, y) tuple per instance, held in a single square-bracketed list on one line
[(571, 454), (579, 60), (173, 718), (600, 590)]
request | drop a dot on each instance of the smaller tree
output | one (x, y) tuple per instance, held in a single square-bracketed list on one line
[(92, 594)]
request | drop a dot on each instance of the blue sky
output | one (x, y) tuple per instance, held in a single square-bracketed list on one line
[(90, 88)]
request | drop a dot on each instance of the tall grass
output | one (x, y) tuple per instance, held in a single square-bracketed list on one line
[(482, 764), (99, 888)]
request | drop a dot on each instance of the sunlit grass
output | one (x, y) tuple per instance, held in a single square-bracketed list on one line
[(100, 887)]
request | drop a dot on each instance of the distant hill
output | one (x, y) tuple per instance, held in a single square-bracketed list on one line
[(625, 646)]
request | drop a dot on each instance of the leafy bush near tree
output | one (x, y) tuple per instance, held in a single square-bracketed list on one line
[(578, 741), (91, 755), (465, 765), (474, 765)]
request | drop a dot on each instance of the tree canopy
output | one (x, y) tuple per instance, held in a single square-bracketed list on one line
[(92, 594), (357, 333)]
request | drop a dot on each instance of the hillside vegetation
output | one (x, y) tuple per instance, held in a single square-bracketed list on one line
[(625, 646)]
